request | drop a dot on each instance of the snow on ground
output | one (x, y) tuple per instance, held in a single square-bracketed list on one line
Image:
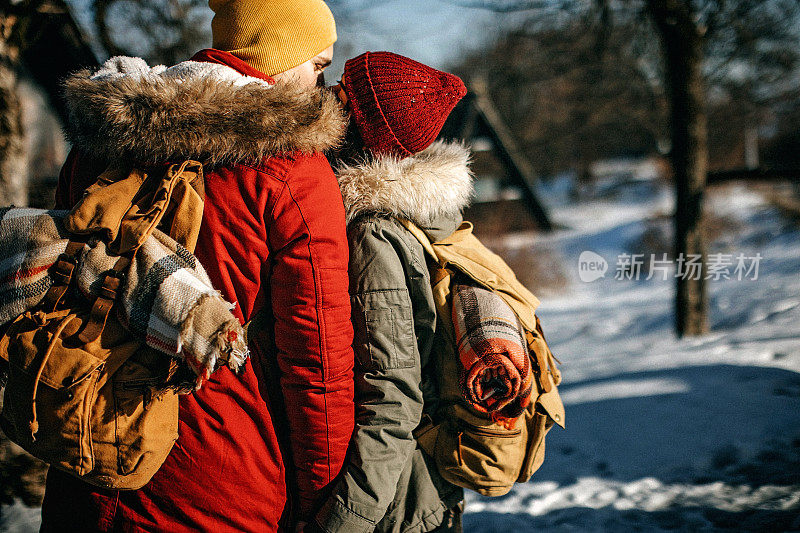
[(665, 434), (19, 518), (662, 434)]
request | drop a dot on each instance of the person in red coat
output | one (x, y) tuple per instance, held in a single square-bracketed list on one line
[(273, 237)]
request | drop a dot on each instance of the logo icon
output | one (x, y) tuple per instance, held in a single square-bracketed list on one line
[(591, 266)]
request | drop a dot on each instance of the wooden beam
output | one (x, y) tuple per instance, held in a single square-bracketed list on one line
[(758, 174), (510, 155), (470, 114)]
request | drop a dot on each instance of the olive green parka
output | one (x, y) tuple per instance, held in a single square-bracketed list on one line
[(387, 484)]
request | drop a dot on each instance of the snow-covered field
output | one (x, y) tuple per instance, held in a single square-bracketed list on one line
[(662, 434), (667, 434)]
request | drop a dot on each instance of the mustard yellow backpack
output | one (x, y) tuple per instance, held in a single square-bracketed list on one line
[(84, 394), (469, 449)]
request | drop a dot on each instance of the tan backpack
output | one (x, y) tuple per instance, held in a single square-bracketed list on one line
[(83, 394), (471, 450)]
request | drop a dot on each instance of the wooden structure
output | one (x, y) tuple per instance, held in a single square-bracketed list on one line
[(476, 116), (757, 174)]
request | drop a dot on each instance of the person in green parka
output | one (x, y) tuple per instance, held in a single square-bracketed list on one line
[(392, 169)]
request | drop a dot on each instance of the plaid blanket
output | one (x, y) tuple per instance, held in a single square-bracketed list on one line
[(166, 299), (496, 376)]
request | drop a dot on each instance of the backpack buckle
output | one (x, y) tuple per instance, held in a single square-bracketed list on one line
[(118, 274), (111, 284), (106, 297), (63, 269)]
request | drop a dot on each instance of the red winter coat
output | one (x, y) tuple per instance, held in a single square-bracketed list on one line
[(273, 235)]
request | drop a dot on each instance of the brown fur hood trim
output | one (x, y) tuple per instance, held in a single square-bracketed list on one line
[(434, 183), (194, 110)]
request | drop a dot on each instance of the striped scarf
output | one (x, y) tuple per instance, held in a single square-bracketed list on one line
[(496, 376), (166, 299)]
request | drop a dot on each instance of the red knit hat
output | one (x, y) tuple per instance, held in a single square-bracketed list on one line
[(398, 104)]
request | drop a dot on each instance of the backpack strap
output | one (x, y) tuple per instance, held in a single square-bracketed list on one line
[(63, 269), (104, 301), (135, 223), (420, 236)]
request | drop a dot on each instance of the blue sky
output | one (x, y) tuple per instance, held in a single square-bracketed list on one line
[(435, 32)]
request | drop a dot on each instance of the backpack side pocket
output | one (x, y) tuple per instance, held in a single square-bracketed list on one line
[(52, 386), (145, 418), (539, 419), (478, 454)]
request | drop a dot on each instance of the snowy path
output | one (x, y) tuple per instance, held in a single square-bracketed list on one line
[(664, 434)]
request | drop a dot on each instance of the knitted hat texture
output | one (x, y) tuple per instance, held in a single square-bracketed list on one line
[(399, 105), (272, 36)]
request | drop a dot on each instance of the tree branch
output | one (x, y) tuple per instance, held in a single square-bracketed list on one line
[(502, 6), (103, 32)]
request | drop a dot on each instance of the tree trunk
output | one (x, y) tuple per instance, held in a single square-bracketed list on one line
[(42, 35), (682, 40), (50, 44), (13, 163)]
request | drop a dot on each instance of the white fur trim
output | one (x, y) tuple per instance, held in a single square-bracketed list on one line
[(422, 188), (136, 68)]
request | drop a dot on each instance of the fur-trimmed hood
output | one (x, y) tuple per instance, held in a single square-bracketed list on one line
[(425, 188), (194, 110)]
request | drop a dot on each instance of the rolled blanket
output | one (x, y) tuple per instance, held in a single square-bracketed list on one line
[(496, 376), (166, 298)]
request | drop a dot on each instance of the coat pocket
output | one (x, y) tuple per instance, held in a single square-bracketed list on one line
[(389, 333), (385, 338)]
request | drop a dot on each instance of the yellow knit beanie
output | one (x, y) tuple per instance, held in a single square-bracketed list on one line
[(272, 36)]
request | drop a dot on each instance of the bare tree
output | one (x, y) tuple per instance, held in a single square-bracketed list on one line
[(682, 39), (45, 39), (734, 48), (42, 36), (160, 31), (575, 93)]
